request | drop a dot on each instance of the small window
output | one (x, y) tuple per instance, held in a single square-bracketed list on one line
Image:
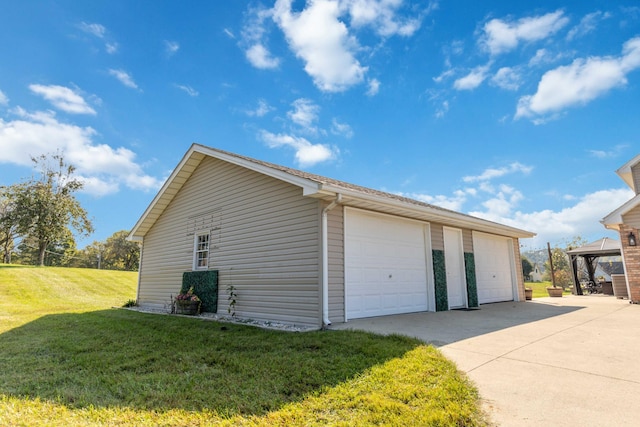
[(201, 252)]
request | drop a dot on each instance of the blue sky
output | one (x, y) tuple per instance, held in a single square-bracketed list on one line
[(509, 111)]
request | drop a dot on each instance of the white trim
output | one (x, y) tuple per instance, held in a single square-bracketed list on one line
[(428, 254), (431, 213), (614, 219), (463, 272), (310, 188), (196, 236), (624, 172)]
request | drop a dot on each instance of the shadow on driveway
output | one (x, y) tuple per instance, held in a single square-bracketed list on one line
[(447, 327)]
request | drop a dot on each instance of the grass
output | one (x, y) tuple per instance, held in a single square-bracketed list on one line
[(540, 289), (69, 359)]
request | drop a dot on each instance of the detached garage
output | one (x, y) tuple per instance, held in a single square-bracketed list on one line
[(305, 249)]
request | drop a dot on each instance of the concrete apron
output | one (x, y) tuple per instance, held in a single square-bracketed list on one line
[(570, 361)]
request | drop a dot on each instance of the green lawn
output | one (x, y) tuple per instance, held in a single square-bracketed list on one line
[(69, 359), (540, 289)]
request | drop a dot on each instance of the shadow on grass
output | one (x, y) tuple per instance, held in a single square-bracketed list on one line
[(119, 358), (446, 327)]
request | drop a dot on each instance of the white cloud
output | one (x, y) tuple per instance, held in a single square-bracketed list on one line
[(454, 202), (502, 36), (507, 78), (582, 218), (102, 167), (63, 98), (124, 78), (338, 128), (382, 16), (492, 173), (322, 41), (3, 99), (307, 154), (188, 90), (581, 82), (444, 75), (171, 47), (111, 47), (254, 39), (442, 110), (229, 33), (97, 30), (304, 114), (587, 24), (610, 153), (261, 110), (473, 79), (374, 87), (260, 57)]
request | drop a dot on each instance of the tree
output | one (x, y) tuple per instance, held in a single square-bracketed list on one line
[(561, 268), (46, 208), (119, 253), (527, 267), (8, 226)]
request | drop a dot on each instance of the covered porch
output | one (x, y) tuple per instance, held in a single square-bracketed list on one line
[(591, 253)]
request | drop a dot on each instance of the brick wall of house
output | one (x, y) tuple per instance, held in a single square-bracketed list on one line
[(631, 256)]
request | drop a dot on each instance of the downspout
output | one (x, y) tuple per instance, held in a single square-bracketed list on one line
[(325, 260), (139, 273)]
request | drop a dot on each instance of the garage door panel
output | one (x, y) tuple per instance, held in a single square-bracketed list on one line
[(494, 275), (385, 265)]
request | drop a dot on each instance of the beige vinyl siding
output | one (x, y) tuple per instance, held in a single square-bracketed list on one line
[(635, 173), (437, 237), (632, 218), (467, 241), (335, 223), (264, 241)]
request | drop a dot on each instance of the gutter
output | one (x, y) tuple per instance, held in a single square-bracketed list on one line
[(325, 260)]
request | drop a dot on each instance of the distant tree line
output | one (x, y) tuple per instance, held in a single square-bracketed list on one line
[(38, 216)]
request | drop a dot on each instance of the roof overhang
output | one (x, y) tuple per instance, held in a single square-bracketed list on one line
[(614, 219), (423, 213), (624, 172), (311, 188), (599, 248)]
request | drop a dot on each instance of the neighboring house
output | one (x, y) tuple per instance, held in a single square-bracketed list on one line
[(305, 249), (626, 220), (537, 273)]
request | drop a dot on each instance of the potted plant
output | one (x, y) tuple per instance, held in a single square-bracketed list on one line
[(187, 303), (528, 294)]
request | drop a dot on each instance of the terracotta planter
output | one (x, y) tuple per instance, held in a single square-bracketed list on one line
[(554, 292), (528, 294), (187, 307)]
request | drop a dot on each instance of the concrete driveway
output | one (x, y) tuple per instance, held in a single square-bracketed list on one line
[(570, 361)]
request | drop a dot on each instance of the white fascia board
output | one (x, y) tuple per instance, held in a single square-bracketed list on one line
[(624, 172), (614, 219), (437, 214), (132, 235)]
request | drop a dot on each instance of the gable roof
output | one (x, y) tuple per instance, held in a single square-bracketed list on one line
[(614, 219), (602, 247), (625, 173), (315, 186)]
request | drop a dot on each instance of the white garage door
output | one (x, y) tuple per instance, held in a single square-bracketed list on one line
[(385, 265), (494, 268)]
